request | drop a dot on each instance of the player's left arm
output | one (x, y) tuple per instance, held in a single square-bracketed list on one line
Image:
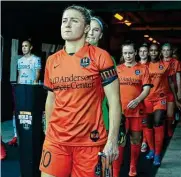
[(37, 75), (37, 69), (111, 88), (178, 79), (172, 87)]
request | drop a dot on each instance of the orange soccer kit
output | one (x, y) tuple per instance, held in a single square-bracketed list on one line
[(156, 100), (132, 80), (176, 67), (144, 121), (76, 131)]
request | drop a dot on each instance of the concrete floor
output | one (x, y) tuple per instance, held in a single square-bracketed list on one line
[(171, 163)]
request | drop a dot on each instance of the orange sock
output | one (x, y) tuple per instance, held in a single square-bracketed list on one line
[(135, 152), (159, 137), (150, 138), (169, 126), (144, 136), (117, 163)]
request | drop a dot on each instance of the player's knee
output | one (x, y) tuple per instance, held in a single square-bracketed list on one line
[(159, 123), (135, 140), (170, 113)]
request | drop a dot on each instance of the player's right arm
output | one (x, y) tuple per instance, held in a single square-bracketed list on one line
[(49, 107)]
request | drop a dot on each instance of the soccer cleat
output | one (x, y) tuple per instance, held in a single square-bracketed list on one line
[(132, 171), (143, 147), (13, 142), (3, 151), (150, 155), (157, 160)]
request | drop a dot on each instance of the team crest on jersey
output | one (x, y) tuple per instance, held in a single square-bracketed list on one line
[(160, 67), (137, 72), (163, 102), (94, 135), (84, 62)]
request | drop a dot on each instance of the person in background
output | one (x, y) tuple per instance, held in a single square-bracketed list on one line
[(29, 67), (144, 60), (156, 102), (95, 34), (134, 88), (76, 79), (166, 55)]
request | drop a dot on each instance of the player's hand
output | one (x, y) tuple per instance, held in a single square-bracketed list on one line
[(111, 151), (178, 104), (122, 131), (133, 104), (179, 95)]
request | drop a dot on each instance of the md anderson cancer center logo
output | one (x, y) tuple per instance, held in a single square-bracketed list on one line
[(73, 82)]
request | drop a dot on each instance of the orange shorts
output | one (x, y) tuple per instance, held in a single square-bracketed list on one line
[(66, 161), (134, 123), (170, 97), (152, 106)]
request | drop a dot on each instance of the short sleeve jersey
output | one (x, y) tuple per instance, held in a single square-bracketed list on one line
[(159, 73), (176, 68), (28, 67), (132, 80), (77, 82)]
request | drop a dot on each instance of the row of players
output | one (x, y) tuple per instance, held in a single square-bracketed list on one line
[(142, 84)]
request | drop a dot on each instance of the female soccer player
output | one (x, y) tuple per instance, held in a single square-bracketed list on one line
[(95, 34), (76, 78), (160, 72), (29, 67), (175, 64), (135, 86), (144, 59)]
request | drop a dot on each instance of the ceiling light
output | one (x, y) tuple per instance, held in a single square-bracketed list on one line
[(154, 41), (118, 16), (150, 39), (126, 21), (146, 35), (128, 24)]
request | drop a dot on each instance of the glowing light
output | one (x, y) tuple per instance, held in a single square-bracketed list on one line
[(146, 35), (150, 39), (128, 24), (118, 16)]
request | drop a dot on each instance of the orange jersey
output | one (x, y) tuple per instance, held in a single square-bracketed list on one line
[(159, 73), (132, 80), (176, 67), (77, 82)]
